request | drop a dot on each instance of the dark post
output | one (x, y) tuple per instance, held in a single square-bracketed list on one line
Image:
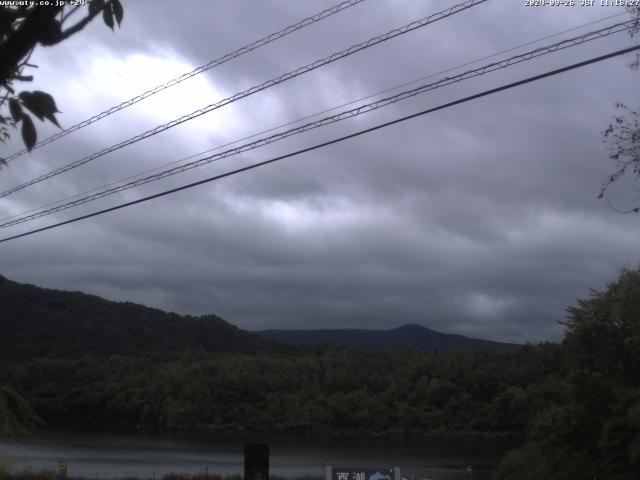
[(256, 462), (62, 470)]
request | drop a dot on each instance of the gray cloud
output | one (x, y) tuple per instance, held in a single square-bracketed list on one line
[(480, 219)]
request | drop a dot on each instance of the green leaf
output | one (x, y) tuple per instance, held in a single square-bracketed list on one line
[(107, 16), (95, 6), (52, 118), (15, 109), (29, 135), (27, 101), (46, 100), (41, 104), (118, 11)]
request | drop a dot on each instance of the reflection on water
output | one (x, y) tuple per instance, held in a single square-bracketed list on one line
[(145, 455)]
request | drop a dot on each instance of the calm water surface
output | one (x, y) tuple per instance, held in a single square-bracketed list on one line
[(145, 455)]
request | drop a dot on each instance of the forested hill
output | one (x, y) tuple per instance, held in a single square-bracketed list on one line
[(408, 336), (577, 403), (42, 323)]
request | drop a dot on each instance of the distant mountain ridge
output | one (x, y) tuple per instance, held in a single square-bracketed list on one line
[(407, 336), (38, 322)]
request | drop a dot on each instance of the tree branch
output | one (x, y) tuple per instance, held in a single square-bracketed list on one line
[(17, 46), (22, 78), (80, 25)]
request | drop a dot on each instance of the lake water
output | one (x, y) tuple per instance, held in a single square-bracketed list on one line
[(146, 455)]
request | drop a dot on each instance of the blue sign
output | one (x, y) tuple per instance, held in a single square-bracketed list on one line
[(355, 473)]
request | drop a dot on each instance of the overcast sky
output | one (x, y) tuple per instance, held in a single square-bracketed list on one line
[(481, 219)]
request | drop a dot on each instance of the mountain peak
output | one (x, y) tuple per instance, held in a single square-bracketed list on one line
[(409, 336), (410, 327)]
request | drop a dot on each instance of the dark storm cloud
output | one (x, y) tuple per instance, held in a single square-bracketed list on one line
[(480, 219)]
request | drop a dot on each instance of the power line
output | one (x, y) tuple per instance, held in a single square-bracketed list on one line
[(203, 68), (270, 83), (514, 60), (307, 117), (331, 142)]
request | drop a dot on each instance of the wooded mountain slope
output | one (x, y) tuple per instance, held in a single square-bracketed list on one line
[(42, 323)]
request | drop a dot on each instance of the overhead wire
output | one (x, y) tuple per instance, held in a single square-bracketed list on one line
[(333, 141), (203, 68), (307, 117), (491, 67), (270, 83)]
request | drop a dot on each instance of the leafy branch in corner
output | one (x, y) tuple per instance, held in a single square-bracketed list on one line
[(22, 29), (623, 135)]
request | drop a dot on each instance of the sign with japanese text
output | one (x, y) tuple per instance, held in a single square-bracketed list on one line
[(355, 473)]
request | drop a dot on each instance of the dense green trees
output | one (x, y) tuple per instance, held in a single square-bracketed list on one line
[(590, 428), (577, 404), (331, 390), (16, 413)]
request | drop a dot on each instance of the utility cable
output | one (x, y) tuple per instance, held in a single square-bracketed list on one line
[(514, 60), (203, 68), (270, 83), (308, 117), (331, 142)]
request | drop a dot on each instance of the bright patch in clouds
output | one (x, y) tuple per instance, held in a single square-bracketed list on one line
[(298, 215), (108, 79), (487, 306)]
